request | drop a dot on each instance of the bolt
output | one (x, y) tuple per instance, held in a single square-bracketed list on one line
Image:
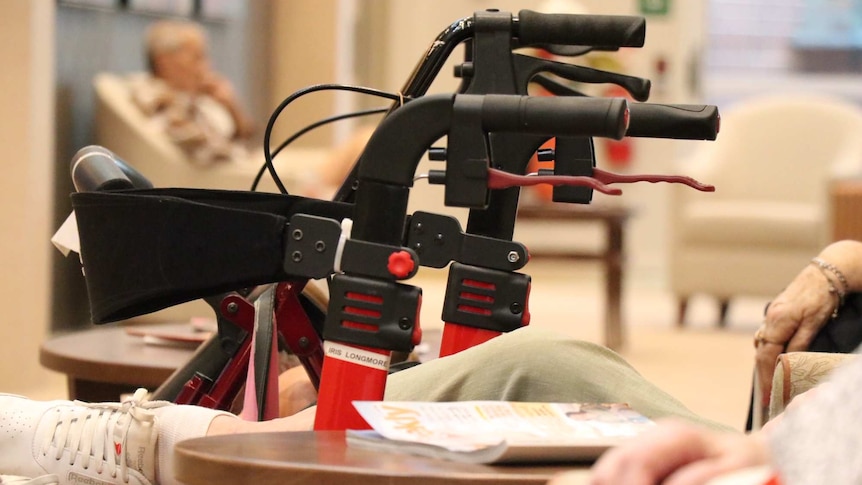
[(232, 307), (404, 323), (438, 239), (418, 247), (355, 185), (419, 228), (320, 246), (515, 308), (297, 234), (513, 257), (303, 342), (296, 256)]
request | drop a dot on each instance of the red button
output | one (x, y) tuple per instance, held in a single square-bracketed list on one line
[(401, 264)]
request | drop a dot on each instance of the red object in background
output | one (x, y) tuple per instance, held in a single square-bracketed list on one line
[(617, 153), (543, 192)]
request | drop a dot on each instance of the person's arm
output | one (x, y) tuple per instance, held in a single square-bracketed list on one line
[(295, 391), (796, 315), (676, 453), (222, 91)]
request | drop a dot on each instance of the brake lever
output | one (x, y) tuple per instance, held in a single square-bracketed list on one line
[(554, 87), (499, 179), (600, 180), (526, 67)]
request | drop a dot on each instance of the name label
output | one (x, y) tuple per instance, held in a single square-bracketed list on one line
[(356, 356)]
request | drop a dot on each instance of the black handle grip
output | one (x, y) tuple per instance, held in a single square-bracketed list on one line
[(601, 31), (139, 181), (677, 121), (93, 169), (555, 116), (96, 168)]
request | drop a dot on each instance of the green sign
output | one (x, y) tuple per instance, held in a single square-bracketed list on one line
[(655, 7)]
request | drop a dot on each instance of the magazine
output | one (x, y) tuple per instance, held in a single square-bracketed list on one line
[(190, 334), (496, 431)]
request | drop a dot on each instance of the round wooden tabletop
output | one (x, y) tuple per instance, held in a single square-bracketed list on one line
[(324, 458), (109, 355)]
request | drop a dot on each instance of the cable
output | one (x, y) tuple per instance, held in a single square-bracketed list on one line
[(302, 92), (308, 128)]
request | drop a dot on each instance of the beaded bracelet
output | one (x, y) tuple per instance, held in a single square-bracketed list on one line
[(824, 267), (834, 270)]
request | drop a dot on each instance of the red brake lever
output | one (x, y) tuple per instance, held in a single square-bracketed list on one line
[(498, 179), (615, 178)]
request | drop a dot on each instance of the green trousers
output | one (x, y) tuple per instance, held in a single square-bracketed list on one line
[(536, 365)]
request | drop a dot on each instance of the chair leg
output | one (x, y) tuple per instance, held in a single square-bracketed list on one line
[(682, 306), (723, 305)]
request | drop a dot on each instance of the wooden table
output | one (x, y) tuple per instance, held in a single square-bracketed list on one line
[(323, 458), (612, 255), (105, 362)]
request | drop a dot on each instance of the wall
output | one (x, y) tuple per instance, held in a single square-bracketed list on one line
[(302, 53), (26, 135)]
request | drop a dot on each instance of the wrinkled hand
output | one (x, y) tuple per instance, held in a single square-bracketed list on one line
[(792, 320), (219, 88), (676, 453)]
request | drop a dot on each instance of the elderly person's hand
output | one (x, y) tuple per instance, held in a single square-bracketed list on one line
[(220, 89), (796, 315), (676, 453)]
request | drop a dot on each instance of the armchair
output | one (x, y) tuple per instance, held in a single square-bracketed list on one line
[(795, 373), (772, 168)]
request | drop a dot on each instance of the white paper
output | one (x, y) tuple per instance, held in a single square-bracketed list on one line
[(66, 238)]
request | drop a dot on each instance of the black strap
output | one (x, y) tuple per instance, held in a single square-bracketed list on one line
[(147, 249)]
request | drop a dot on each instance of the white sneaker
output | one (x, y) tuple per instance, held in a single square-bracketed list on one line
[(96, 444), (43, 480)]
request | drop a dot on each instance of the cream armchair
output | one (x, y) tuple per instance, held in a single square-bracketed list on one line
[(795, 373), (772, 166)]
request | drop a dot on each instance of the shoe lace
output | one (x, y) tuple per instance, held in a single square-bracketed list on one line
[(98, 432)]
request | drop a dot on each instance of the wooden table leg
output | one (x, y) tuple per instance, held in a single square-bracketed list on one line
[(614, 338)]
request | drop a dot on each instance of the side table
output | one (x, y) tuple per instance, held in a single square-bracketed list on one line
[(323, 458), (105, 362), (612, 255)]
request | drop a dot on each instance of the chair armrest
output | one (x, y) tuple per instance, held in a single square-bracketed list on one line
[(797, 372)]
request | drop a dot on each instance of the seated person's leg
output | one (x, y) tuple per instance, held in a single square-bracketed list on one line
[(531, 364), (524, 365)]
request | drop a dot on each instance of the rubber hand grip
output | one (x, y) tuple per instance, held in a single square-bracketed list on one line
[(93, 169), (600, 31), (556, 116), (677, 121)]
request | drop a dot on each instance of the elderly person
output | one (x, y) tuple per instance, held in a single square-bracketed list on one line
[(196, 106)]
